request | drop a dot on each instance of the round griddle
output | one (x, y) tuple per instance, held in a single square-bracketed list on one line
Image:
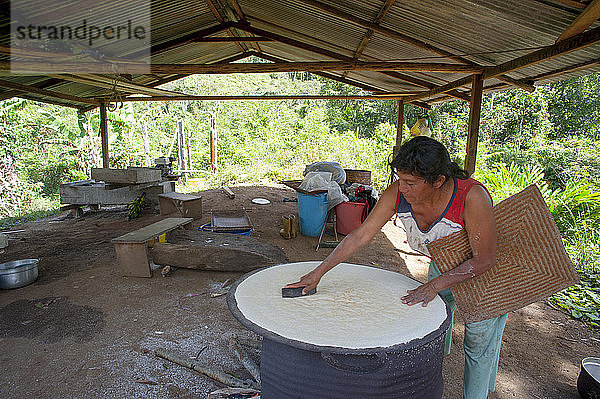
[(268, 334)]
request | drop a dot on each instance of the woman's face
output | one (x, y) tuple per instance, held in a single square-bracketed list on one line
[(414, 188)]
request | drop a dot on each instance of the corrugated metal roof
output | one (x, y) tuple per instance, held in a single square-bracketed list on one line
[(488, 33)]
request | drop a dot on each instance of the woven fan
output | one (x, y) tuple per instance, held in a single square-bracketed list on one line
[(531, 261)]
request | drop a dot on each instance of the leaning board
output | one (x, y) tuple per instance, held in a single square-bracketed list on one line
[(531, 265)]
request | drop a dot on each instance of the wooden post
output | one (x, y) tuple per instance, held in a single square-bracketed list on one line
[(188, 140), (180, 144), (104, 135), (213, 142), (474, 114), (399, 127), (146, 143)]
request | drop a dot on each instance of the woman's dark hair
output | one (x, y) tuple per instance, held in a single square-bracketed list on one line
[(427, 158)]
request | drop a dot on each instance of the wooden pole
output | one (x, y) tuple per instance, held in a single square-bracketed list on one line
[(188, 138), (146, 143), (213, 139), (474, 114), (180, 144), (104, 135), (399, 126)]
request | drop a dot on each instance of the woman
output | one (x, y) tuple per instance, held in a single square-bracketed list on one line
[(433, 198)]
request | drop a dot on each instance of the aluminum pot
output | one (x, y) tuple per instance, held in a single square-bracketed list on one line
[(588, 383), (18, 273)]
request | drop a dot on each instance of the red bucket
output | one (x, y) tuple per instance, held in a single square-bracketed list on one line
[(349, 215)]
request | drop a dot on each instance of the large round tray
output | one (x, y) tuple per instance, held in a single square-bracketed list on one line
[(414, 343)]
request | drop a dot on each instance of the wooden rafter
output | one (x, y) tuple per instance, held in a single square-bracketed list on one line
[(239, 15), (568, 69), (26, 96), (237, 57), (168, 79), (267, 97), (110, 83), (231, 39), (402, 37), (574, 43), (318, 66), (220, 18), (573, 3), (334, 55), (587, 17), (369, 34), (181, 41), (319, 50), (46, 93), (340, 79), (40, 85)]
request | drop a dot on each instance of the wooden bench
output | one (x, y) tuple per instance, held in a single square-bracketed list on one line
[(132, 248), (186, 205)]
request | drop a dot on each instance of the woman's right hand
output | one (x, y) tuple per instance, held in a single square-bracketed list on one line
[(308, 281)]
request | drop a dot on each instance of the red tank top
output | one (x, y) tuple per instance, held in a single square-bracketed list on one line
[(450, 220)]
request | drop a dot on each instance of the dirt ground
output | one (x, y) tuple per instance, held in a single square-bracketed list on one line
[(83, 331)]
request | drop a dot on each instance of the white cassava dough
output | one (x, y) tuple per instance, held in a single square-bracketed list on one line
[(355, 307)]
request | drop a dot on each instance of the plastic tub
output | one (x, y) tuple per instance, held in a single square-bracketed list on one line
[(312, 211), (349, 215)]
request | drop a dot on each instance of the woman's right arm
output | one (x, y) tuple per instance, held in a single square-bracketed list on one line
[(381, 213)]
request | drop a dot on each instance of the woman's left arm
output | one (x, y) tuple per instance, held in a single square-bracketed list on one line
[(481, 230)]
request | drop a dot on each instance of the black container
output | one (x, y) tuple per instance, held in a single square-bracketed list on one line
[(588, 386), (292, 369), (293, 373)]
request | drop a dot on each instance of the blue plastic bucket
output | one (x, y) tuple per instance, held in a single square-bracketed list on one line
[(312, 210)]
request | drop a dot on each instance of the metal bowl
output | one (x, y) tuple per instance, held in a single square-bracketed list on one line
[(588, 383), (18, 273)]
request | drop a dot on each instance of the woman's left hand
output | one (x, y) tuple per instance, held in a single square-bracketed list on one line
[(424, 293)]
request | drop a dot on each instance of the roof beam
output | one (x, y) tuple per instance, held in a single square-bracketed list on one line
[(334, 55), (319, 66), (369, 34), (573, 3), (231, 39), (587, 17), (45, 100), (182, 41), (574, 43), (217, 15), (46, 93), (405, 38), (40, 85), (326, 75), (110, 83), (389, 96), (568, 69)]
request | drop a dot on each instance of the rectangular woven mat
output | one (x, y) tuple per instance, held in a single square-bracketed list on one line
[(531, 265)]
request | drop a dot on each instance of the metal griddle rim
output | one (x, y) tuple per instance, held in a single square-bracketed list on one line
[(232, 304)]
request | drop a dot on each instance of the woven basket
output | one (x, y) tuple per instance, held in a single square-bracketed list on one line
[(531, 261), (358, 176)]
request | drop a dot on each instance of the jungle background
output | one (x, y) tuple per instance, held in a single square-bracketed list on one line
[(548, 137)]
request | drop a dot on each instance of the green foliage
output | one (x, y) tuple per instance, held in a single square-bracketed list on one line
[(548, 137), (11, 221)]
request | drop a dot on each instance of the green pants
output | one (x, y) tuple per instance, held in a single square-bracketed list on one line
[(482, 348)]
